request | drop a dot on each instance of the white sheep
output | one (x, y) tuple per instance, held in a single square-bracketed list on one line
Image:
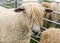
[(15, 24), (51, 35), (52, 6)]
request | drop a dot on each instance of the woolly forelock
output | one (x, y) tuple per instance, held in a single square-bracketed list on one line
[(34, 12)]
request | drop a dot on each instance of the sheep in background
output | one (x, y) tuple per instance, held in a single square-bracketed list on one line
[(51, 35), (52, 6)]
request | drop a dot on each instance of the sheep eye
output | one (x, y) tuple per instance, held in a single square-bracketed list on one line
[(19, 9)]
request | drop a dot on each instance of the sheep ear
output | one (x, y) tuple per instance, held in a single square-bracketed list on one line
[(48, 10), (19, 9)]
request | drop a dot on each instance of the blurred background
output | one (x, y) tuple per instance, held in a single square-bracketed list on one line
[(16, 3)]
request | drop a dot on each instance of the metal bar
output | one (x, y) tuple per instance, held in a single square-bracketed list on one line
[(56, 12), (15, 4), (37, 37), (29, 1), (44, 28), (34, 39), (51, 21), (10, 2)]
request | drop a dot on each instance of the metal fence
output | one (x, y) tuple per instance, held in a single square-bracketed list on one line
[(17, 4)]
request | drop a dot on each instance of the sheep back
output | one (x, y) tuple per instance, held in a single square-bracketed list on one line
[(51, 35)]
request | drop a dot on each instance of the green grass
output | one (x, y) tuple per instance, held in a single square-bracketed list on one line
[(10, 5), (58, 26), (49, 25), (32, 41)]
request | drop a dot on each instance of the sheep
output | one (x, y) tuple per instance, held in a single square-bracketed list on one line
[(46, 15), (51, 35), (16, 25), (52, 6), (12, 30)]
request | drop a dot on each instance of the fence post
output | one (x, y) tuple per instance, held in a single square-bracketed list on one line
[(15, 4)]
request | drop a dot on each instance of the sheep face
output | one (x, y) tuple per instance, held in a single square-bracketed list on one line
[(34, 27), (34, 13)]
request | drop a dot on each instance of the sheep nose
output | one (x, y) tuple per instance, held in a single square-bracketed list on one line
[(36, 33)]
